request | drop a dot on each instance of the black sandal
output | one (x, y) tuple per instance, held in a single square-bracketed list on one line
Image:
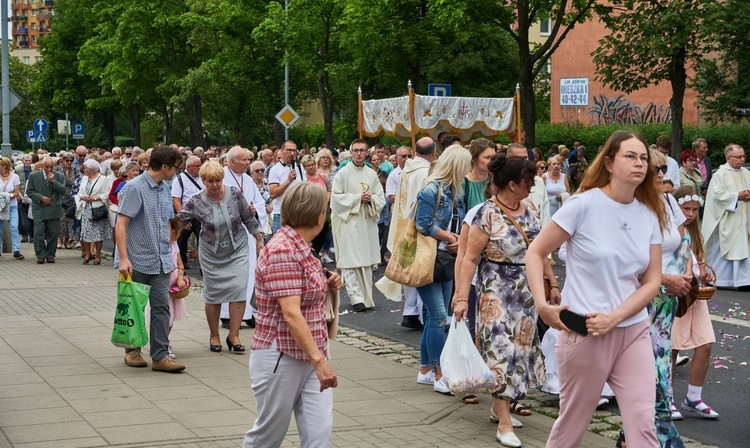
[(620, 439), (519, 409), (470, 399)]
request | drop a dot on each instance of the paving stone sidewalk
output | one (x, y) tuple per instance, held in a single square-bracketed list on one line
[(63, 384)]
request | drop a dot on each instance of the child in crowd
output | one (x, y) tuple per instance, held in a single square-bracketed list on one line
[(176, 306)]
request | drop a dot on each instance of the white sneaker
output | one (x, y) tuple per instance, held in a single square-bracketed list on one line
[(441, 386), (426, 378), (170, 353), (602, 402), (676, 414), (681, 360), (326, 259)]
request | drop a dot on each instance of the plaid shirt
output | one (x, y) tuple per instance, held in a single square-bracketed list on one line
[(286, 267)]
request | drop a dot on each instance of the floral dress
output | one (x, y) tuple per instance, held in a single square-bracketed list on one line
[(506, 324)]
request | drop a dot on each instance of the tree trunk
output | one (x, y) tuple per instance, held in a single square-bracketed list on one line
[(326, 104), (196, 122), (107, 118), (678, 81), (135, 120), (528, 101)]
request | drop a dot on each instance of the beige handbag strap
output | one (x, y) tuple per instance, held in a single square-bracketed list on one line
[(507, 213)]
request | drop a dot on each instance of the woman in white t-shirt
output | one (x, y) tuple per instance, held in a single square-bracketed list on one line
[(613, 229), (9, 188)]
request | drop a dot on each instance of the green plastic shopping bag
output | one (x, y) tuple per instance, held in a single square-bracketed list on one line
[(129, 329)]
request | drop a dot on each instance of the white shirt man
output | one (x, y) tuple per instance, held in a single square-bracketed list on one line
[(356, 200), (726, 221), (538, 195), (186, 185), (281, 176), (664, 145), (105, 167), (235, 175), (411, 180)]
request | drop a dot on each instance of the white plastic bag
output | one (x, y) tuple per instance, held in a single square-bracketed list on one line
[(462, 365)]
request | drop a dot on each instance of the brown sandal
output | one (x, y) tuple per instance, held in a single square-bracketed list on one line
[(86, 260), (98, 260)]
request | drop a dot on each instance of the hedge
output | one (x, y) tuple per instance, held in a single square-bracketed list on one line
[(717, 136)]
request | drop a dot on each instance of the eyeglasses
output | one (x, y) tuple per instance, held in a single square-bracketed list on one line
[(543, 168), (408, 156), (631, 157), (737, 157), (691, 160), (662, 168), (261, 170)]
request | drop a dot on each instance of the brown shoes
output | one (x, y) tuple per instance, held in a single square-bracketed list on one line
[(167, 364), (50, 260), (133, 358)]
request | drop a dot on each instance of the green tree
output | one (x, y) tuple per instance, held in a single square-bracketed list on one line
[(721, 81), (651, 42), (516, 18)]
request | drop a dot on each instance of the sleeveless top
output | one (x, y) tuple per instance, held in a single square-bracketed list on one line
[(555, 187)]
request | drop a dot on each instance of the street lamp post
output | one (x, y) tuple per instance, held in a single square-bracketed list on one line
[(5, 148)]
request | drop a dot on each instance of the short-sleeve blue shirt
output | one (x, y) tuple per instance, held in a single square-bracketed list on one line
[(149, 206)]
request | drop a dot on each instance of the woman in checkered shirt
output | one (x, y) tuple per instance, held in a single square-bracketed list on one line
[(288, 359)]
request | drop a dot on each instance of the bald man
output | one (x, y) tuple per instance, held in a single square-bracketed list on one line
[(412, 179), (45, 188), (80, 156)]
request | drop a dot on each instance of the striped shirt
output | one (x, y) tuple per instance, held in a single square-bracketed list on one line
[(149, 207)]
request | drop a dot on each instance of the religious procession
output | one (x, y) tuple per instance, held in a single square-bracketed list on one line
[(468, 236)]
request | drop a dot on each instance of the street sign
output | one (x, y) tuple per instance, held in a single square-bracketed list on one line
[(40, 137), (15, 100), (31, 136), (40, 125), (439, 89), (78, 129), (287, 116), (63, 127)]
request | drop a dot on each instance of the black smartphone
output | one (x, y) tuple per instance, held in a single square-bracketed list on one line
[(574, 321)]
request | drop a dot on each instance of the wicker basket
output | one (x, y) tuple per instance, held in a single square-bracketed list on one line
[(177, 294), (707, 290)]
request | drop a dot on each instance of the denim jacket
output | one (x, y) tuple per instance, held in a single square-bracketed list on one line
[(426, 200)]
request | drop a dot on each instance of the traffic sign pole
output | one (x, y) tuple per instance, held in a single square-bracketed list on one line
[(5, 148)]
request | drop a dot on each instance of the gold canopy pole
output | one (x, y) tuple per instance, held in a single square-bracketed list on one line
[(360, 115), (411, 117), (519, 124)]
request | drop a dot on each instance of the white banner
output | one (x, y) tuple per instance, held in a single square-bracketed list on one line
[(463, 116)]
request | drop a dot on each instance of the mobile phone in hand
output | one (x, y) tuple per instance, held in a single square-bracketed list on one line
[(574, 321)]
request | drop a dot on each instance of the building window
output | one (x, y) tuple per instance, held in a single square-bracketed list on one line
[(26, 60), (37, 58), (33, 26), (33, 38), (33, 12), (545, 27)]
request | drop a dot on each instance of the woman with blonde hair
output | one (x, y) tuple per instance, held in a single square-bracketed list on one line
[(558, 187), (223, 250), (440, 210), (613, 234)]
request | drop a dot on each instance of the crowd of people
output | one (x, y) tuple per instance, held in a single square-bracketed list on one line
[(499, 216)]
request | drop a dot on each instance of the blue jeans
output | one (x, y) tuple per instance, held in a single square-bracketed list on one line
[(15, 237), (435, 301), (276, 222)]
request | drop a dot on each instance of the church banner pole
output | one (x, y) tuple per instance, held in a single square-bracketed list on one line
[(360, 116), (413, 130), (519, 123)]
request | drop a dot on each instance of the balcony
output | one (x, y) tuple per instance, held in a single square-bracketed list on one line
[(44, 30), (49, 4), (23, 44), (21, 32)]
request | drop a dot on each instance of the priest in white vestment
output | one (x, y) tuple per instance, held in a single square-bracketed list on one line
[(235, 174), (726, 224), (356, 200)]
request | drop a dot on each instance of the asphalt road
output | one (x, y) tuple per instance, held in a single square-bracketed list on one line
[(727, 388)]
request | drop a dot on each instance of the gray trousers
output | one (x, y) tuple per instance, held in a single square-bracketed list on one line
[(282, 385), (46, 232), (159, 300)]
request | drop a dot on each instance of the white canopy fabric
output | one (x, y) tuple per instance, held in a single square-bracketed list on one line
[(463, 116)]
